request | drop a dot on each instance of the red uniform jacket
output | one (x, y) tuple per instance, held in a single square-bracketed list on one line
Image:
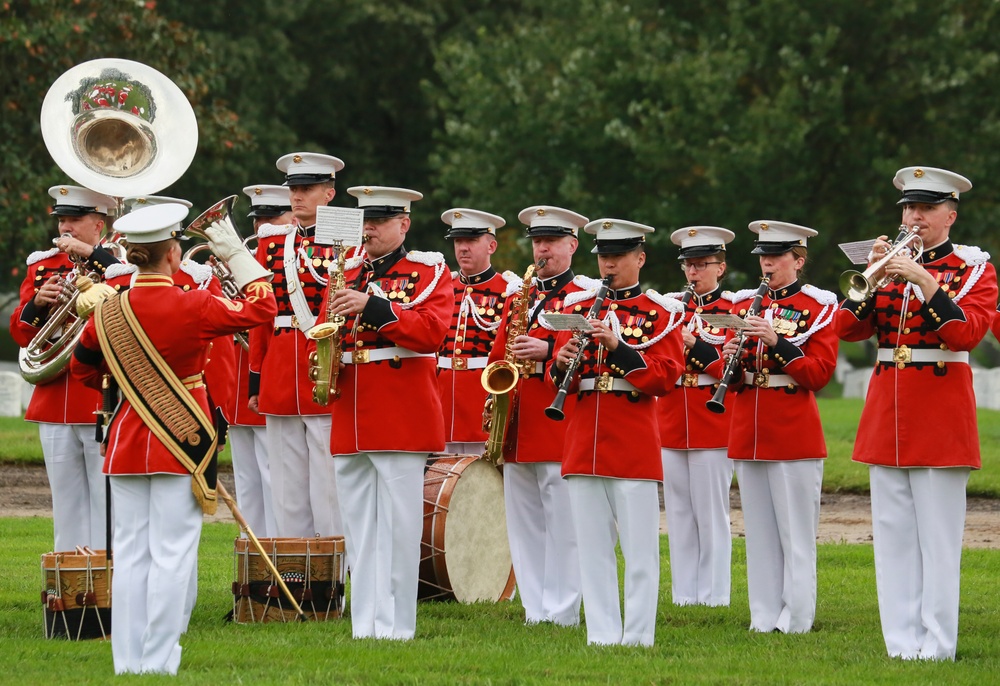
[(393, 404), (181, 326), (63, 400), (781, 422), (614, 433), (220, 369), (237, 412), (894, 430), (278, 357), (535, 437), (996, 325), (685, 421), (476, 317)]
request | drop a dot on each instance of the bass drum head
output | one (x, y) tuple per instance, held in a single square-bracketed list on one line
[(477, 551)]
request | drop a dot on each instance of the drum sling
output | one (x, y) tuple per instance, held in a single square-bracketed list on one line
[(165, 405)]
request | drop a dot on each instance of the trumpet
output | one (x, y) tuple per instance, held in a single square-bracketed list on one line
[(859, 286)]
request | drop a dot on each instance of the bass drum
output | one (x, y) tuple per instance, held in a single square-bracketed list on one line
[(464, 554)]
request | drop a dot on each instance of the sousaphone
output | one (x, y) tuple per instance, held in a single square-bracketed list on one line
[(120, 128)]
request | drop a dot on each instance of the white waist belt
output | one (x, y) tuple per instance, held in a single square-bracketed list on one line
[(285, 322), (691, 380), (461, 363), (605, 384), (375, 355), (768, 380), (905, 354)]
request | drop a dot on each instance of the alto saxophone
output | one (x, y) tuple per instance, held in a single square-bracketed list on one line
[(324, 363), (500, 378)]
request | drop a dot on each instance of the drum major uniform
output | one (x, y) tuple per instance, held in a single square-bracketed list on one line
[(611, 457), (919, 466), (539, 516), (476, 318), (775, 435), (298, 429), (63, 407), (697, 472)]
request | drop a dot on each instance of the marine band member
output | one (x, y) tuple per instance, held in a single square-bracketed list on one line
[(476, 318)]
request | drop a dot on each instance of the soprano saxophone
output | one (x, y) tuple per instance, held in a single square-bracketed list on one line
[(500, 378), (324, 362)]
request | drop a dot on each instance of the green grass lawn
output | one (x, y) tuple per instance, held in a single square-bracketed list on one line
[(19, 443), (488, 643)]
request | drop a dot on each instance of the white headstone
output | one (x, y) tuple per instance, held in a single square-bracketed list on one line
[(11, 392)]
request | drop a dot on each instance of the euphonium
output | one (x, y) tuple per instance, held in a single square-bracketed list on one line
[(858, 286), (500, 378), (324, 362)]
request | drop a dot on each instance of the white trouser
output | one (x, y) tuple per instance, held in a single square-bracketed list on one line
[(781, 516), (459, 448), (253, 478), (543, 544), (382, 500), (627, 511), (74, 465), (696, 500), (303, 486), (918, 519), (157, 527)]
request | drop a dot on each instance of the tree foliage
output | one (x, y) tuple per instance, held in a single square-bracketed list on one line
[(672, 114)]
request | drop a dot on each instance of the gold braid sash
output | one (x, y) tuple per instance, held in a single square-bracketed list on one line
[(165, 405)]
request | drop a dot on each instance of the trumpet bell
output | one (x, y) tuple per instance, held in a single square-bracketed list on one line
[(855, 285), (102, 121)]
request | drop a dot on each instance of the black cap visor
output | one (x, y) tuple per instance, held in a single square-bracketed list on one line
[(701, 251), (73, 211), (467, 232), (549, 231), (268, 210), (382, 211), (925, 197), (307, 179), (774, 248), (617, 247)]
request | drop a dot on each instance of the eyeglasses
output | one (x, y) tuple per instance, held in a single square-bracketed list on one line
[(697, 266)]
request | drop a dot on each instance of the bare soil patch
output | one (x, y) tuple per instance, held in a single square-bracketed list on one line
[(844, 517)]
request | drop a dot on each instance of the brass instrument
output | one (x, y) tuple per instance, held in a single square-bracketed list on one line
[(555, 410), (104, 123), (500, 378), (859, 286), (735, 362), (47, 356), (324, 362)]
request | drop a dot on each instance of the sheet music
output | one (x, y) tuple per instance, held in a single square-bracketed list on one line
[(566, 322), (724, 321), (857, 251), (344, 224)]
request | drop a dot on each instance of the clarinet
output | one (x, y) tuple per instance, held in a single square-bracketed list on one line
[(734, 363), (555, 411)]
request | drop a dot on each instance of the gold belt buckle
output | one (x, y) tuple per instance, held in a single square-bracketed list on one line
[(762, 378), (360, 357), (690, 380), (902, 355), (604, 383), (459, 364), (295, 321)]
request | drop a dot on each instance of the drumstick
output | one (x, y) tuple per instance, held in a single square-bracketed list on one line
[(238, 516)]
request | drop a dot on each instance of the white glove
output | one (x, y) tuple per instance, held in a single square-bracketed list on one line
[(228, 247), (224, 241)]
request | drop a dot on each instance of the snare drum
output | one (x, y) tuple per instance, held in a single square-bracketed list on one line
[(76, 594), (464, 554), (312, 568)]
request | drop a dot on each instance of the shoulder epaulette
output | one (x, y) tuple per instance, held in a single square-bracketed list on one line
[(268, 230), (40, 255), (351, 262), (199, 273), (514, 283), (743, 294), (665, 301), (819, 295), (728, 295), (454, 275), (586, 282), (971, 255), (119, 269), (425, 257)]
